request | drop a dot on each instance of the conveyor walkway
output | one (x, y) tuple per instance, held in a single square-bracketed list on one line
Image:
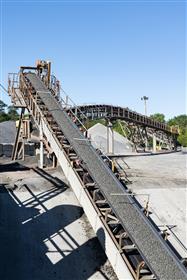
[(162, 261)]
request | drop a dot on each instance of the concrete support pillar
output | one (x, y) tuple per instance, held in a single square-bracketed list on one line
[(107, 140), (146, 144), (41, 148), (154, 143), (76, 111), (66, 101), (23, 151), (110, 139)]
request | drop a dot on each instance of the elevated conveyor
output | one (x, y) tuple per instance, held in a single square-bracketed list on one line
[(115, 112), (162, 261)]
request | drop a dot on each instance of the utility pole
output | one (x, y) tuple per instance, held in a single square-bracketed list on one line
[(145, 98)]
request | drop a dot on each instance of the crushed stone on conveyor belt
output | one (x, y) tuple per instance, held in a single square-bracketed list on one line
[(158, 255)]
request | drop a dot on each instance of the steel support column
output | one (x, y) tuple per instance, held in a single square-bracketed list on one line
[(154, 143), (41, 147), (110, 139)]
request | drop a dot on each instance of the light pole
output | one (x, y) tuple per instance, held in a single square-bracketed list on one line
[(145, 98)]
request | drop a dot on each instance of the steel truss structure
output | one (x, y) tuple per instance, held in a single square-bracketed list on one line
[(139, 129), (136, 248)]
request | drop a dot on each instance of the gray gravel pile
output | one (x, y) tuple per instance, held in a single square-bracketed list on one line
[(157, 253), (98, 134), (7, 132), (7, 139)]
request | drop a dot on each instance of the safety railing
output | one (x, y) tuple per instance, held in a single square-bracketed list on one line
[(13, 81)]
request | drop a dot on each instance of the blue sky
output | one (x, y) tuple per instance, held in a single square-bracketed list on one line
[(110, 52)]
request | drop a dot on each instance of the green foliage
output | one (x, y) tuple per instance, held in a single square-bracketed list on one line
[(180, 121), (12, 113), (2, 106), (117, 127), (182, 138), (4, 117), (90, 123), (158, 117)]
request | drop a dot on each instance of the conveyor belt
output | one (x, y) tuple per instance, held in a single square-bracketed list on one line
[(97, 111), (158, 255)]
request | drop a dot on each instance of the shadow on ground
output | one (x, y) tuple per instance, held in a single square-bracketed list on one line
[(13, 166), (23, 231)]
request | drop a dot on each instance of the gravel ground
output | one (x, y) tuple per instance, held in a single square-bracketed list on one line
[(7, 132), (164, 178), (158, 255)]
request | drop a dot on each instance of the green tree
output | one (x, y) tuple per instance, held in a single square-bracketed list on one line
[(180, 121), (12, 113), (2, 106), (119, 128), (183, 138), (4, 117), (158, 117)]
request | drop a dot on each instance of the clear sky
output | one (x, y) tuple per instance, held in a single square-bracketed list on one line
[(110, 52)]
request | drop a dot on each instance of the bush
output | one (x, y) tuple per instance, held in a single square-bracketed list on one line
[(4, 117), (183, 139), (158, 117)]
